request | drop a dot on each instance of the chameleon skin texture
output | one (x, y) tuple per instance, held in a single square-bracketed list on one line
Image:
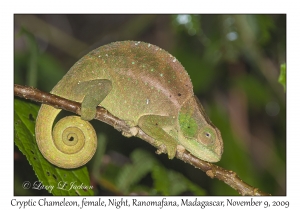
[(141, 84)]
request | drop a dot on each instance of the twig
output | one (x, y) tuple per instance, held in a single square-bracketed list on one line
[(211, 170)]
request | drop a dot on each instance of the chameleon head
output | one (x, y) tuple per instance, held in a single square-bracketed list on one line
[(197, 134)]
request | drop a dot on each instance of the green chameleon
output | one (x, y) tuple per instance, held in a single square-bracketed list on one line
[(139, 83)]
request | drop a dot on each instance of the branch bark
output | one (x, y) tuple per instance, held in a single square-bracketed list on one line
[(211, 170)]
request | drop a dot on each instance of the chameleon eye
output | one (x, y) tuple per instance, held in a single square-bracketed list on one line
[(206, 136)]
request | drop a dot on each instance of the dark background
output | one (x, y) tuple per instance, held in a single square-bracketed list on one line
[(233, 61)]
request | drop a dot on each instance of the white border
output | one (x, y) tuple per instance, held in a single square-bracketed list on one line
[(8, 8)]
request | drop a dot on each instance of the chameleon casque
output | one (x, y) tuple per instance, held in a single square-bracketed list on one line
[(139, 83)]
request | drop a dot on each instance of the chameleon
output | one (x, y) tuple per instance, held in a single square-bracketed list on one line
[(139, 83)]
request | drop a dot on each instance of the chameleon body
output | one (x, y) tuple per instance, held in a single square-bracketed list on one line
[(139, 83)]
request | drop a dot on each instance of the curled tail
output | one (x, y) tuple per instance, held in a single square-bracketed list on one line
[(71, 144)]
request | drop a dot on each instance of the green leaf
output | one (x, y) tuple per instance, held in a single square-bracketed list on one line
[(161, 182), (282, 76), (130, 174), (166, 182), (48, 174), (169, 182)]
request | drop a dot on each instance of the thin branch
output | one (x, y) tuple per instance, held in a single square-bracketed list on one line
[(211, 170)]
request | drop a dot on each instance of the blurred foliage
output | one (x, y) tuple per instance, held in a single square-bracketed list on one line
[(282, 76), (234, 63)]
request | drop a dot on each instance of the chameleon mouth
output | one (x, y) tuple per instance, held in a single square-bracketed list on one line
[(211, 157), (202, 152), (208, 154)]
